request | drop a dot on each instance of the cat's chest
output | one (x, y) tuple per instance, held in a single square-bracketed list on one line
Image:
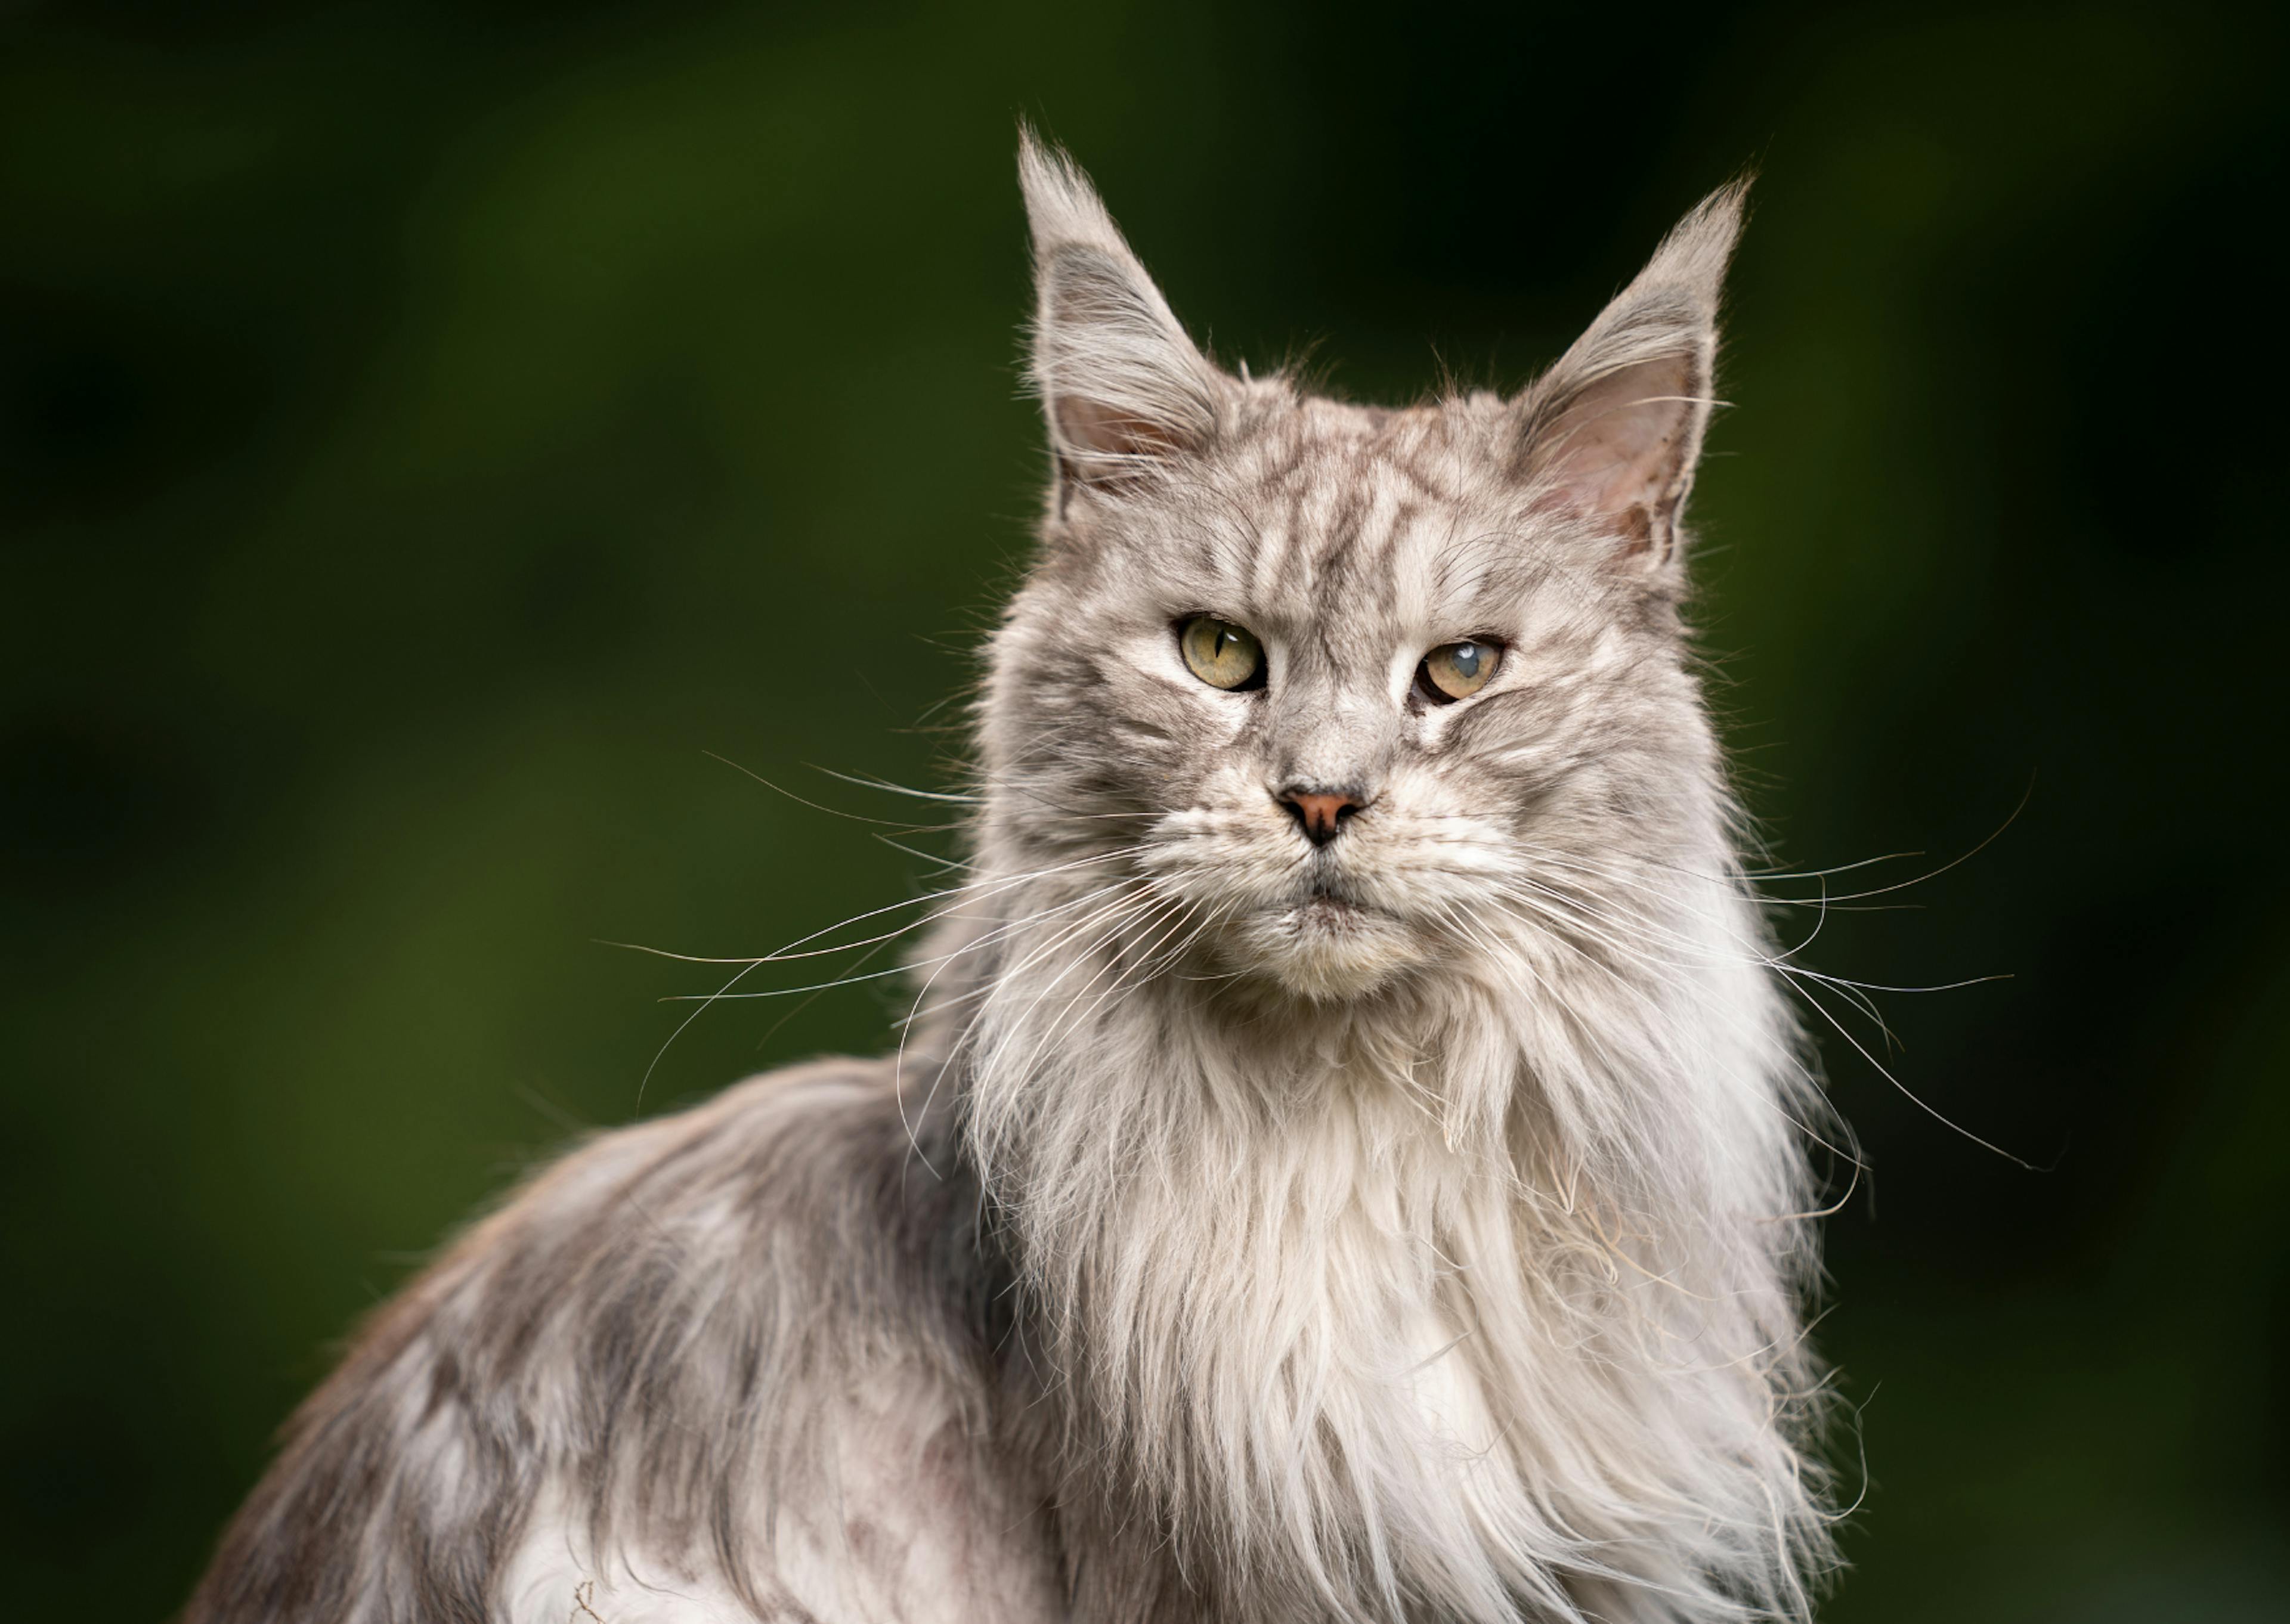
[(1439, 1386)]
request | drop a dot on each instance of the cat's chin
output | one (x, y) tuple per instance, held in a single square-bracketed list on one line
[(1324, 948)]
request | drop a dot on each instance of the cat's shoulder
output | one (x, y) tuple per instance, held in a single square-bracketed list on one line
[(752, 1331), (823, 1173), (813, 1127)]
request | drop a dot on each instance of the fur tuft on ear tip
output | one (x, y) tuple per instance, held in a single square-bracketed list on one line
[(1061, 206), (1696, 252), (1123, 390), (1613, 430)]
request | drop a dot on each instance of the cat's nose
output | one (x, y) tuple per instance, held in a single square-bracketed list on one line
[(1321, 813)]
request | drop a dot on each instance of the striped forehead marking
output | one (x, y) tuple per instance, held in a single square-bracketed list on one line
[(1340, 498)]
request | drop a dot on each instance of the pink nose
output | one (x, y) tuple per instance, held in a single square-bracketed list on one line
[(1321, 811)]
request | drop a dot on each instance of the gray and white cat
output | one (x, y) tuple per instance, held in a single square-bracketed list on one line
[(1348, 1162)]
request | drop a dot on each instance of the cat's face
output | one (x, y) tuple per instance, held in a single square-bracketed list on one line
[(1355, 694), (1409, 697)]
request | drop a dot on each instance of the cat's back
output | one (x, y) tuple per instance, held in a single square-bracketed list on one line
[(728, 1364)]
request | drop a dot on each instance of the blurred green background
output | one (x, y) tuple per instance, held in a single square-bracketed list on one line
[(426, 432)]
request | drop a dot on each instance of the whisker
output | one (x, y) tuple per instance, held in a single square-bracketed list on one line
[(954, 798), (986, 888), (898, 1069), (832, 812)]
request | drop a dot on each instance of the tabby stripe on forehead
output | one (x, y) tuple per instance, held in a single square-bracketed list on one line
[(1289, 453), (1269, 579), (1251, 542), (1382, 579), (1343, 577), (1426, 466), (1297, 568), (1332, 566)]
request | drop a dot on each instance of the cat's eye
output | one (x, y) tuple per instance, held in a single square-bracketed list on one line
[(1457, 670), (1222, 654)]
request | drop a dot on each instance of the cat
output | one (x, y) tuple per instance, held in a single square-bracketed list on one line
[(1348, 1159)]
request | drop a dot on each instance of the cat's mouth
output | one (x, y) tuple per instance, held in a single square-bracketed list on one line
[(1324, 941), (1328, 909), (1310, 923), (1325, 902)]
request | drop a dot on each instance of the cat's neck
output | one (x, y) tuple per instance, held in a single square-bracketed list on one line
[(1247, 1296)]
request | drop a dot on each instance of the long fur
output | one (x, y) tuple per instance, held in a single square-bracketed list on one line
[(1412, 1227)]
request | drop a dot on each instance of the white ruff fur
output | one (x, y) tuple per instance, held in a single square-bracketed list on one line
[(1435, 1302)]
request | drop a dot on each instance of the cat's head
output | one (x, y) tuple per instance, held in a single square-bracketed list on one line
[(1358, 694)]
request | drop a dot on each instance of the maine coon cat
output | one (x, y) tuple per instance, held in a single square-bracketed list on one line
[(1348, 1160)]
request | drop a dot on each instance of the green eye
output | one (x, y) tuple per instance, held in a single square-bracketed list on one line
[(1457, 670), (1222, 654)]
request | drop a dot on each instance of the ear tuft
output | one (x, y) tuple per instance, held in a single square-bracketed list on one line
[(1613, 430), (1123, 388)]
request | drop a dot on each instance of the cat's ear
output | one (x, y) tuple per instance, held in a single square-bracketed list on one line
[(1613, 429), (1123, 388)]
